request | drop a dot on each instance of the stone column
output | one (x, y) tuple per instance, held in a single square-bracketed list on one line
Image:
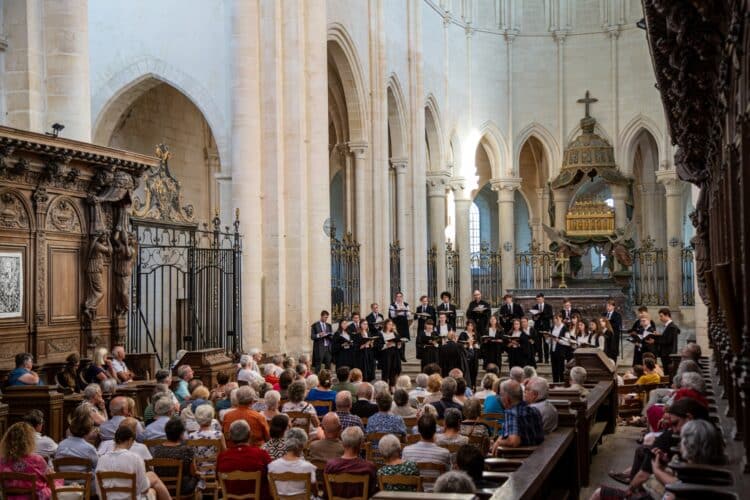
[(506, 190), (561, 199), (462, 201), (620, 196), (363, 227), (673, 187), (437, 183), (399, 167), (66, 40), (246, 175), (542, 195)]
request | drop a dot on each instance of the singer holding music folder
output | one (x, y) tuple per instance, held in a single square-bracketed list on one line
[(479, 311), (364, 350), (400, 314), (542, 315), (388, 347), (321, 334), (448, 309), (559, 341)]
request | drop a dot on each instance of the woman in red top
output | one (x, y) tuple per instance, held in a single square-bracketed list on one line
[(17, 451), (242, 456)]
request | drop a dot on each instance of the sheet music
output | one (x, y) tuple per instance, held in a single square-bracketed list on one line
[(534, 311), (389, 336), (492, 333)]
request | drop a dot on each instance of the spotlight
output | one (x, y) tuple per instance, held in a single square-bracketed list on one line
[(56, 129), (642, 23)]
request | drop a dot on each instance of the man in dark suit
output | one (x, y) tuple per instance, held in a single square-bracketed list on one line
[(667, 340), (542, 315), (374, 319), (321, 334), (479, 311), (448, 308), (615, 319), (452, 355), (424, 312), (509, 311), (568, 312)]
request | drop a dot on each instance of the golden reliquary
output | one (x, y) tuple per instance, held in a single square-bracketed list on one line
[(590, 218)]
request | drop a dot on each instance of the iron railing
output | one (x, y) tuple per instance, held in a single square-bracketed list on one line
[(688, 290), (395, 257), (453, 273), (345, 292), (486, 274), (649, 274), (535, 267), (432, 291)]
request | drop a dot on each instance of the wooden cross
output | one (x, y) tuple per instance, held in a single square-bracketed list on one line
[(587, 101)]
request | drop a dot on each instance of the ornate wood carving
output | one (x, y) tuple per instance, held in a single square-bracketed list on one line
[(161, 195), (63, 216), (13, 214)]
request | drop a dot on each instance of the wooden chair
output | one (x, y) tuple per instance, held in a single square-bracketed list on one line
[(104, 491), (248, 493), (165, 466), (27, 491), (352, 479), (318, 403), (481, 442), (452, 448), (320, 466), (63, 464), (400, 480), (300, 419), (412, 438), (151, 443), (494, 421), (410, 422), (290, 476), (206, 466), (72, 482), (364, 421), (429, 472)]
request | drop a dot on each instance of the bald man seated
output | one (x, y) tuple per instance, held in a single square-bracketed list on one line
[(330, 446), (118, 367)]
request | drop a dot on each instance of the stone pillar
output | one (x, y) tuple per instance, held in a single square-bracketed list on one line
[(562, 199), (673, 187), (506, 190), (362, 223), (399, 167), (246, 175), (620, 196), (543, 208), (66, 40), (437, 183), (462, 201)]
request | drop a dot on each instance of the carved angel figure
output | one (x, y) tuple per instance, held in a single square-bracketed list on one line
[(617, 247), (564, 245)]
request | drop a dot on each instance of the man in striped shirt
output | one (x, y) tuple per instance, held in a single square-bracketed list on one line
[(343, 410), (426, 450)]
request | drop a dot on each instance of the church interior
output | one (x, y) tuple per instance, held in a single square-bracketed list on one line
[(496, 250)]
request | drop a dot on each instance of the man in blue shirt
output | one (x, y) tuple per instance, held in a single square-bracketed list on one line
[(523, 424), (383, 421), (185, 374)]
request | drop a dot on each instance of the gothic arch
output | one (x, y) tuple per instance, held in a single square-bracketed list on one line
[(137, 78), (548, 142), (433, 133), (454, 152), (343, 54), (492, 139), (396, 120), (630, 137)]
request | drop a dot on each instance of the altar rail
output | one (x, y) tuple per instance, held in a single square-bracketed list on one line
[(534, 269)]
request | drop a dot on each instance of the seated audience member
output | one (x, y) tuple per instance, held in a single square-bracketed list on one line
[(160, 391), (243, 456), (461, 389), (119, 368), (293, 461), (68, 377), (271, 401), (523, 424), (472, 424), (486, 384), (296, 403), (343, 383), (434, 382), (351, 463), (426, 410), (92, 395), (198, 396), (323, 392), (536, 393), (657, 369), (330, 446), (165, 377), (470, 459), (276, 447), (163, 411), (185, 375), (404, 382), (431, 369), (23, 374), (343, 410), (208, 428), (403, 408), (675, 417), (285, 380), (452, 432), (219, 390), (277, 365), (355, 377), (120, 408), (493, 369), (577, 379), (649, 376), (139, 449), (255, 358), (256, 421), (383, 421), (425, 450), (176, 449), (456, 374), (516, 373), (454, 482), (247, 374), (225, 403), (380, 386), (492, 403), (311, 382), (691, 351), (122, 458), (448, 390), (687, 385), (98, 371), (420, 390), (17, 455), (363, 407), (44, 445), (76, 445), (389, 448), (529, 372), (302, 370)]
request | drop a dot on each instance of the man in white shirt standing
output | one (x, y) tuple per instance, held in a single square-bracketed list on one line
[(119, 367)]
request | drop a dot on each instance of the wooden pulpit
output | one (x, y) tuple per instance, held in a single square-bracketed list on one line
[(599, 368), (207, 364), (22, 399)]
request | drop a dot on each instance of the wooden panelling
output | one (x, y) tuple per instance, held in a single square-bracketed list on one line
[(64, 290)]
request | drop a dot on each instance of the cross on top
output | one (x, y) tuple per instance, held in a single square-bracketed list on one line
[(587, 101)]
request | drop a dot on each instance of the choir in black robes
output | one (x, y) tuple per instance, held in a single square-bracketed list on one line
[(364, 354), (343, 349), (470, 343), (642, 338), (508, 312), (492, 348), (479, 311), (667, 344), (518, 349), (399, 313), (448, 308), (429, 345), (387, 347), (452, 356)]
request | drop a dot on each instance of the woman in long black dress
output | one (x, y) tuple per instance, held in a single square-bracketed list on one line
[(429, 342), (605, 330), (388, 346), (518, 347), (364, 351), (470, 340), (492, 344), (343, 346)]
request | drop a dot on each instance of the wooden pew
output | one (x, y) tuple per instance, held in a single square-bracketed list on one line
[(21, 399)]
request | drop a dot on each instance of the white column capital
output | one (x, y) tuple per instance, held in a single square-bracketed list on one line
[(358, 149), (399, 165), (559, 35), (505, 188), (613, 31), (670, 180), (437, 183), (511, 34), (460, 189)]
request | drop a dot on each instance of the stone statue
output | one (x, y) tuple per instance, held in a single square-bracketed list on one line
[(124, 249), (99, 250), (617, 247)]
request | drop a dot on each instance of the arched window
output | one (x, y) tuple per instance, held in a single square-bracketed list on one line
[(474, 234)]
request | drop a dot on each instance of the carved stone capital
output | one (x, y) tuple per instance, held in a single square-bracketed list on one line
[(613, 30), (358, 149), (505, 188), (459, 187), (672, 183), (399, 165), (559, 35), (511, 34), (437, 183)]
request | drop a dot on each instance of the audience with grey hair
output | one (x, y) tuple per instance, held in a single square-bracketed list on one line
[(454, 482), (512, 389), (389, 446), (536, 394), (529, 372), (352, 438), (421, 380), (244, 360), (487, 381), (91, 391), (380, 386), (343, 400), (245, 396), (295, 440), (272, 399), (701, 442), (448, 388), (365, 391), (694, 381), (516, 373), (687, 365), (577, 379), (311, 382), (239, 432), (163, 407), (204, 414)]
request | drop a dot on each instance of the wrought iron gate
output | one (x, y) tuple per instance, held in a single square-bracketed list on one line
[(344, 276), (453, 273), (185, 291), (395, 253), (485, 274)]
